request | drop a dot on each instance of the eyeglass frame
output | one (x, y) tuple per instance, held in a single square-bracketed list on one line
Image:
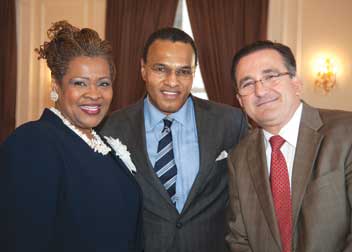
[(267, 82), (168, 70)]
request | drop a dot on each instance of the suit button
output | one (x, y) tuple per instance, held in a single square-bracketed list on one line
[(179, 224)]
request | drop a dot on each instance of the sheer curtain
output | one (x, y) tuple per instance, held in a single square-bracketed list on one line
[(8, 71), (220, 28), (128, 25)]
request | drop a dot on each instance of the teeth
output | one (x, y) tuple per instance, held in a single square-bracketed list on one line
[(90, 108), (169, 92)]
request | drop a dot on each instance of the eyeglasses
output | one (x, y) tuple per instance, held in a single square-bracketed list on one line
[(163, 71), (247, 87)]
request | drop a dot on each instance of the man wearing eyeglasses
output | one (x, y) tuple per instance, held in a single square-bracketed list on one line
[(290, 179), (179, 145)]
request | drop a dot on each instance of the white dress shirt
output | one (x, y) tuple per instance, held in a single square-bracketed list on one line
[(290, 133)]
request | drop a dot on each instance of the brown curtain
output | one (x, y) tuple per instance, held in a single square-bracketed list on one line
[(220, 28), (128, 25), (8, 72)]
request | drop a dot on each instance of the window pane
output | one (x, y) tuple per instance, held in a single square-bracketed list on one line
[(182, 22)]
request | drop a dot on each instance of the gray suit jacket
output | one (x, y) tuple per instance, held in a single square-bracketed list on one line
[(321, 188), (201, 225)]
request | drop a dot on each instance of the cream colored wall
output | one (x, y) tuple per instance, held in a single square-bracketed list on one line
[(327, 30), (313, 28), (34, 17)]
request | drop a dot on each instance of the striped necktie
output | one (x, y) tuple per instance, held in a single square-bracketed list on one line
[(165, 166)]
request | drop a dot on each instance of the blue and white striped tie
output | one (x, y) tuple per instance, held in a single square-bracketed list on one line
[(165, 166)]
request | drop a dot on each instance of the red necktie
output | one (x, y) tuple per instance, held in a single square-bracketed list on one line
[(280, 189)]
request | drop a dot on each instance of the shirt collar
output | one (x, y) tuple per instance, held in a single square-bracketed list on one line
[(290, 131), (153, 115)]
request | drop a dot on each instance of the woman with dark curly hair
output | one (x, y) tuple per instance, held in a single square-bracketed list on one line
[(62, 186)]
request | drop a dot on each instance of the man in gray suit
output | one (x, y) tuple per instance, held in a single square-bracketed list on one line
[(184, 184), (290, 178)]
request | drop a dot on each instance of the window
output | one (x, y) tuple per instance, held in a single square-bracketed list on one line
[(182, 22)]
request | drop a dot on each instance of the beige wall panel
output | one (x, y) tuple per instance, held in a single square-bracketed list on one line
[(34, 17), (313, 28), (326, 30)]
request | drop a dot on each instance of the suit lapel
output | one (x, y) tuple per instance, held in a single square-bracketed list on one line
[(259, 172), (206, 145), (139, 153), (308, 144)]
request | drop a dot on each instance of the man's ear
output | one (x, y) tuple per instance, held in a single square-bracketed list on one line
[(240, 100), (298, 85), (143, 70)]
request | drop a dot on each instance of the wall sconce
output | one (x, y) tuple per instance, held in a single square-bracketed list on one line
[(326, 75)]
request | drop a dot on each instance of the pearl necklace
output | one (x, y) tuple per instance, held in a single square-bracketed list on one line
[(95, 143)]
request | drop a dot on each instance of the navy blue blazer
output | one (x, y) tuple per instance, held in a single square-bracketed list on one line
[(57, 194)]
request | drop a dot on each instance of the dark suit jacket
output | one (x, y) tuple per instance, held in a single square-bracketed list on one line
[(201, 225), (321, 188), (58, 195)]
